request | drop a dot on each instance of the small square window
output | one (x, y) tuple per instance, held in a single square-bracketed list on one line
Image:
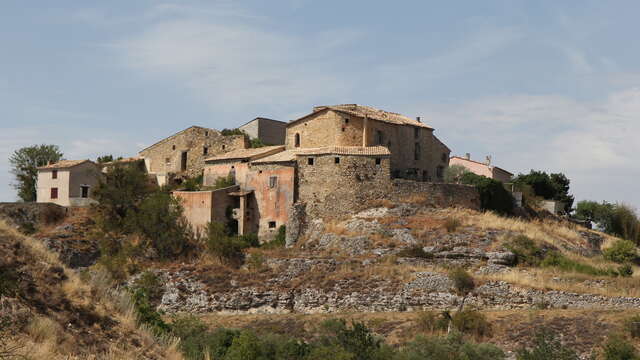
[(310, 161), (205, 150), (167, 161), (54, 174), (273, 181), (54, 193), (336, 160), (272, 224), (346, 120), (378, 161)]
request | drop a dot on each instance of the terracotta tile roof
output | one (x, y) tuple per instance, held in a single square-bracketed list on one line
[(64, 164), (371, 113), (248, 153), (284, 156), (477, 162), (346, 150)]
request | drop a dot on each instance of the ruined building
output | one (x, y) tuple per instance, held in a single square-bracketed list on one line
[(182, 155), (269, 131)]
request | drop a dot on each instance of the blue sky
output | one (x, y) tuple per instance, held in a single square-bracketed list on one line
[(550, 85)]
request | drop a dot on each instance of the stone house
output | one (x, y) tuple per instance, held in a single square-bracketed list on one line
[(68, 182), (269, 131), (483, 169), (182, 155), (416, 153)]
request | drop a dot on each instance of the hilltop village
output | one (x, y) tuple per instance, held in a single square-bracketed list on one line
[(330, 162)]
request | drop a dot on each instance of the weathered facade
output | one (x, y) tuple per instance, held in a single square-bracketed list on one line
[(183, 154), (416, 153), (483, 169), (202, 207), (269, 131), (68, 182)]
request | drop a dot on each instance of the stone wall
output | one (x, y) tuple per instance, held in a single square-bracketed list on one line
[(202, 207), (270, 132), (30, 215), (329, 128), (336, 189), (198, 143), (435, 194)]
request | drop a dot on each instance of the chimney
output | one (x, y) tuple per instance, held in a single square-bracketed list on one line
[(488, 160), (467, 156), (418, 119)]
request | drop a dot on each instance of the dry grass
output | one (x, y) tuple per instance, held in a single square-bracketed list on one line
[(385, 203), (415, 198), (43, 329)]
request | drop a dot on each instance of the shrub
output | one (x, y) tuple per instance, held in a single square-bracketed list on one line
[(197, 342), (231, 132), (431, 321), (625, 270), (228, 248), (493, 195), (452, 224), (9, 281), (622, 251), (193, 184), (52, 214), (463, 282), (526, 250), (279, 240), (557, 260), (632, 326), (471, 322), (150, 284), (146, 313), (451, 347), (546, 345), (224, 182), (159, 220), (453, 173), (256, 261), (414, 252), (617, 348)]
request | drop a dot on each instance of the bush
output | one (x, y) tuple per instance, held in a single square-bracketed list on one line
[(232, 132), (472, 322), (463, 282), (493, 195), (452, 224), (622, 251), (632, 326), (279, 241), (453, 173), (193, 184), (9, 281), (546, 346), (147, 314), (228, 248), (356, 339), (159, 220), (451, 347), (617, 348), (150, 284), (430, 321), (52, 214), (526, 250), (557, 260), (197, 342), (625, 270), (224, 182)]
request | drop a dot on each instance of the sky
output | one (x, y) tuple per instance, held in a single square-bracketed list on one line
[(549, 85)]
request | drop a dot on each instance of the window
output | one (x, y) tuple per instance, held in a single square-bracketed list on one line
[(416, 133), (54, 193), (378, 161), (346, 120), (273, 182), (444, 157), (206, 133), (224, 147), (173, 147), (205, 150), (84, 191), (440, 172), (183, 161), (336, 160), (272, 224), (379, 137), (310, 161), (416, 156), (297, 140), (167, 161), (54, 174)]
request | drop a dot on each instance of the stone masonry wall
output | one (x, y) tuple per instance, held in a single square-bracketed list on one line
[(199, 143), (331, 189), (435, 194)]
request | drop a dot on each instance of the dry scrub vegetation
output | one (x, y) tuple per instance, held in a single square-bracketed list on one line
[(55, 313)]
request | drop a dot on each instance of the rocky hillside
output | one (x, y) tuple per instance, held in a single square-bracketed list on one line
[(50, 312)]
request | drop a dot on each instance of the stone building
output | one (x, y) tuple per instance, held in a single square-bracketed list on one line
[(68, 182), (483, 169), (416, 153), (182, 155), (269, 131)]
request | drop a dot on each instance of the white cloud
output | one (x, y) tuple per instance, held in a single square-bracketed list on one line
[(585, 140), (235, 63)]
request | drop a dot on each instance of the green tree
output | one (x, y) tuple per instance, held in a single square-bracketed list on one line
[(622, 251), (119, 194), (24, 167), (493, 195), (104, 159), (551, 187), (453, 174), (617, 348)]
